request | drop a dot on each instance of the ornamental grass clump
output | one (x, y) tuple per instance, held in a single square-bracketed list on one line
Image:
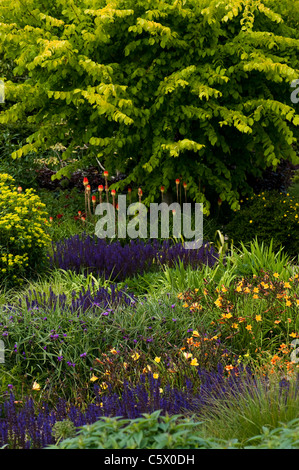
[(264, 402), (55, 338), (23, 233), (87, 299)]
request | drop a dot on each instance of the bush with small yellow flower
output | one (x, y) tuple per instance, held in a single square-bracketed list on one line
[(267, 216), (23, 232)]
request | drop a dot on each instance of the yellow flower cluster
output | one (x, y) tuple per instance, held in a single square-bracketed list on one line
[(22, 229), (9, 261)]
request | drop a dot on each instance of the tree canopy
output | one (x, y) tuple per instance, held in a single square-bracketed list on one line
[(156, 89)]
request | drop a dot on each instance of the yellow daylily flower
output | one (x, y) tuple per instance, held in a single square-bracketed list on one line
[(36, 386), (93, 378)]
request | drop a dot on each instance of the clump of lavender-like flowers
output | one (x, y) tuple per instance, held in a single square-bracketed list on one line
[(24, 425), (90, 254)]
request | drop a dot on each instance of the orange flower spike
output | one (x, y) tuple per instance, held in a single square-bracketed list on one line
[(88, 189), (94, 201), (185, 189), (177, 182), (100, 189), (106, 183), (140, 194), (130, 194), (85, 183), (113, 192)]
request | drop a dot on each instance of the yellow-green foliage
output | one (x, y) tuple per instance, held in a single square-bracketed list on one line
[(196, 89), (23, 239)]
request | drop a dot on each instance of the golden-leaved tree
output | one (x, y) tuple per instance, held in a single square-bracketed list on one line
[(158, 89)]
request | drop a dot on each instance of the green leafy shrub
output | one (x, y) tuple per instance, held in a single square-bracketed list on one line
[(267, 216), (285, 436), (151, 431), (294, 188), (23, 238), (176, 432), (23, 171)]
